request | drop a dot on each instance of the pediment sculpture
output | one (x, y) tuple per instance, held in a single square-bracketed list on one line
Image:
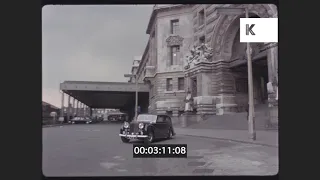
[(174, 40), (188, 102), (201, 53)]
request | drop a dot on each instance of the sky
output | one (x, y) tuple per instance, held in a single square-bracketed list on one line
[(90, 43)]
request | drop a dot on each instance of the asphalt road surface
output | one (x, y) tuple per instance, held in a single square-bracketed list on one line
[(97, 150)]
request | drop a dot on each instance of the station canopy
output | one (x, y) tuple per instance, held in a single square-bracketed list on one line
[(115, 95)]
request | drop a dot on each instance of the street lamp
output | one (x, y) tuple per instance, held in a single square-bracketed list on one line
[(135, 76), (240, 11)]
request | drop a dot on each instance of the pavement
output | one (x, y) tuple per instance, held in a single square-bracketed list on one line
[(54, 125), (96, 150), (266, 138)]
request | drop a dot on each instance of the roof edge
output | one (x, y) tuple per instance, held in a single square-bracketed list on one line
[(157, 9)]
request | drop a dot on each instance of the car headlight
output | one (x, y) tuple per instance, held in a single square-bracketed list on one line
[(126, 125), (141, 125)]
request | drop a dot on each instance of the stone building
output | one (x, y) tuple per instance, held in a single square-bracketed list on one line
[(216, 70), (134, 68)]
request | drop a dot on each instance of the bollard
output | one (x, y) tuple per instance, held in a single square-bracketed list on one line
[(184, 120)]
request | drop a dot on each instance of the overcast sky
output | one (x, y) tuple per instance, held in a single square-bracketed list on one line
[(90, 43)]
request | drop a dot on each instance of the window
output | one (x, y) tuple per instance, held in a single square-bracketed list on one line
[(201, 17), (175, 26), (169, 84), (168, 119), (202, 40), (180, 84), (174, 54), (160, 119)]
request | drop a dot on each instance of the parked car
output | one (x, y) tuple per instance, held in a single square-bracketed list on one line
[(147, 127), (77, 120), (97, 119), (117, 116)]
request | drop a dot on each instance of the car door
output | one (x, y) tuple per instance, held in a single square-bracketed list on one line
[(159, 126)]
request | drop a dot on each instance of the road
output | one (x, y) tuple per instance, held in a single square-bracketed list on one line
[(96, 150)]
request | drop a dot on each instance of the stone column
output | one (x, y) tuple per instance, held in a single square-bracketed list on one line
[(224, 91), (62, 104), (69, 106), (204, 101), (73, 107), (273, 77), (77, 109), (84, 110)]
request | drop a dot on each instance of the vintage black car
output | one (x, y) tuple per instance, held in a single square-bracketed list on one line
[(147, 127)]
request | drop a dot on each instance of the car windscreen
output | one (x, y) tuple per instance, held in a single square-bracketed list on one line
[(146, 118)]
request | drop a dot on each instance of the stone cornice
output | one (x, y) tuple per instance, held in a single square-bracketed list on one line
[(208, 67), (157, 9), (143, 59)]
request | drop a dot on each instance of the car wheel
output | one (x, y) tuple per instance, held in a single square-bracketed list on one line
[(73, 122), (150, 138), (170, 134), (125, 140)]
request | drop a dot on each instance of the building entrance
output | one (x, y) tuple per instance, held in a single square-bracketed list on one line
[(260, 80)]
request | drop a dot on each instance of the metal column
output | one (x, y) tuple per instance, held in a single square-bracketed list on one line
[(251, 123)]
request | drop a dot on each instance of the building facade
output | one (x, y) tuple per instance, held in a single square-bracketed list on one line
[(47, 109), (194, 48), (134, 68)]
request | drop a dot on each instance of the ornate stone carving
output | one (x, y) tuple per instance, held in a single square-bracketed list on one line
[(174, 40), (254, 50), (221, 38), (208, 6), (201, 53), (212, 19), (209, 12), (208, 40), (209, 29), (188, 102)]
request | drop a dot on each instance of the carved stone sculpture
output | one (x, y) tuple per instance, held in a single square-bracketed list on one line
[(201, 53), (188, 102), (174, 40)]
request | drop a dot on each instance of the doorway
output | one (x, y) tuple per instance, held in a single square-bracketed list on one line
[(260, 80)]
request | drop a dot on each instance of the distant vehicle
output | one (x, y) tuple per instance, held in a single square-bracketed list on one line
[(78, 120), (117, 116), (147, 127), (97, 119)]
